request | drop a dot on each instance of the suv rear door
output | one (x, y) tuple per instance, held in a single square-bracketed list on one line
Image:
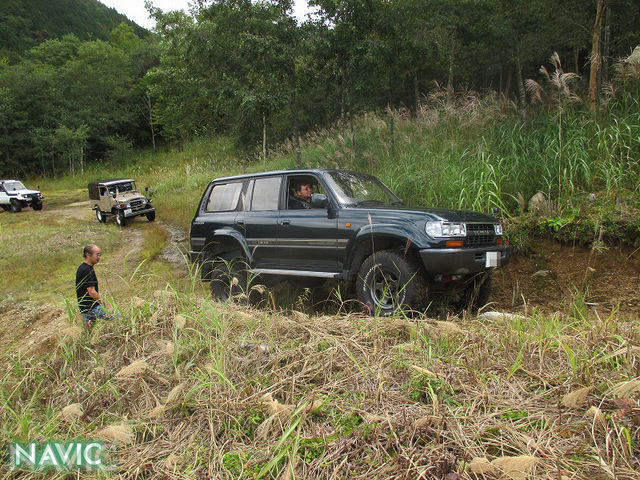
[(260, 219)]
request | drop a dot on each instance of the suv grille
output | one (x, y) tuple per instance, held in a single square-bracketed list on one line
[(480, 234)]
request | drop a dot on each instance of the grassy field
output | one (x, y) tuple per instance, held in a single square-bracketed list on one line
[(181, 386)]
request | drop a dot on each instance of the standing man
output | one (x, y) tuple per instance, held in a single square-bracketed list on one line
[(87, 288)]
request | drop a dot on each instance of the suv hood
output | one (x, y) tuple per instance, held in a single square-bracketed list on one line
[(435, 214), (25, 191)]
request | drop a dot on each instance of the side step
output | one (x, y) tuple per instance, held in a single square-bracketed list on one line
[(296, 273)]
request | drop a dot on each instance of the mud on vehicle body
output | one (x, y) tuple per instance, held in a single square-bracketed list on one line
[(356, 230), (14, 196), (119, 198)]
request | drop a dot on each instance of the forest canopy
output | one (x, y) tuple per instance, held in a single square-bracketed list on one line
[(248, 69)]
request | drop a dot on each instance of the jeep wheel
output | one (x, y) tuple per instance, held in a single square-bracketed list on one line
[(228, 277), (475, 294), (120, 219), (151, 216), (37, 206), (5, 207), (15, 206), (100, 216), (388, 281)]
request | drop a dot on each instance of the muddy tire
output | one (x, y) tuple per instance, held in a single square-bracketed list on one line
[(101, 217), (5, 207), (121, 219), (151, 216), (37, 206), (475, 294), (15, 206), (389, 281), (228, 277)]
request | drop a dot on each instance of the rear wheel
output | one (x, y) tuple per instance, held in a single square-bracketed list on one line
[(121, 219), (228, 277), (37, 206), (5, 207), (151, 216), (389, 281), (100, 216), (15, 206)]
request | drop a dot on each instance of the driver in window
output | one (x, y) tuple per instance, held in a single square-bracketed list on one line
[(302, 198)]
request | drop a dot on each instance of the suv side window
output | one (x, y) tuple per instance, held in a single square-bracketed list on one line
[(266, 194), (224, 197)]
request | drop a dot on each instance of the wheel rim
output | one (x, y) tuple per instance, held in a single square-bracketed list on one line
[(384, 288), (99, 216)]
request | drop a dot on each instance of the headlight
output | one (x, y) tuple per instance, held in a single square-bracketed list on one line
[(497, 228), (446, 229)]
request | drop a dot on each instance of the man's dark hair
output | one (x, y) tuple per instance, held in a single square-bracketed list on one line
[(88, 249)]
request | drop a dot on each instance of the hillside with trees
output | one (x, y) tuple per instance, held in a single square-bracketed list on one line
[(25, 24), (249, 71)]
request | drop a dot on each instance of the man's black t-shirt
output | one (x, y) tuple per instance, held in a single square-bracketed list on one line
[(85, 277)]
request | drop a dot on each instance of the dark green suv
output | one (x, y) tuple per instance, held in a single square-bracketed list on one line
[(336, 224)]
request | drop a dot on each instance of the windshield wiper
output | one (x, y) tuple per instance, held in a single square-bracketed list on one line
[(361, 203)]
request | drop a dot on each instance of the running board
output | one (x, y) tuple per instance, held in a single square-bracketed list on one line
[(296, 273)]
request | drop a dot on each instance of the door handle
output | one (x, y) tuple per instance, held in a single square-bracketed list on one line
[(286, 223)]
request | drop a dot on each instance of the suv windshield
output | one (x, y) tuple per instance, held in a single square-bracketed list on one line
[(12, 186), (359, 189)]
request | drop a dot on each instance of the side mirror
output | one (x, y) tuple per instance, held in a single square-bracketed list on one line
[(319, 200)]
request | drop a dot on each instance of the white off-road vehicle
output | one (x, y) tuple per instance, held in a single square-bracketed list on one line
[(14, 196), (120, 198)]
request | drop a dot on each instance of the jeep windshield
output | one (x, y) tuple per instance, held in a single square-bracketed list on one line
[(13, 186), (360, 190), (122, 187)]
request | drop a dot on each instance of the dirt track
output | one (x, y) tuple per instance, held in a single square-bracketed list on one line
[(31, 328)]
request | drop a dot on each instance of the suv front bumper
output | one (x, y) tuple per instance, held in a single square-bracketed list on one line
[(461, 261)]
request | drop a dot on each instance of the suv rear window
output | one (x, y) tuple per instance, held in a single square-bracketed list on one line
[(224, 198)]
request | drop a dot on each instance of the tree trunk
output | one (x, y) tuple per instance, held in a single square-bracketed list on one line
[(596, 57), (450, 79), (416, 96), (153, 133), (343, 100), (522, 95), (607, 43), (264, 137), (576, 60)]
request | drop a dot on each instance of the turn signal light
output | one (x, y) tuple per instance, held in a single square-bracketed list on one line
[(455, 243), (498, 241)]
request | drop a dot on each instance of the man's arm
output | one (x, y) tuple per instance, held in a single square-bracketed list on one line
[(93, 293)]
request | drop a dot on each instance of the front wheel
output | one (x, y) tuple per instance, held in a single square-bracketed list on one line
[(388, 281), (151, 216), (100, 216), (37, 206), (15, 206), (121, 219)]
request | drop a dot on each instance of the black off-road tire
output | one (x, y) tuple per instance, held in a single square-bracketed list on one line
[(151, 216), (121, 220), (15, 206), (475, 294), (37, 206), (101, 217), (389, 281), (5, 207), (228, 277)]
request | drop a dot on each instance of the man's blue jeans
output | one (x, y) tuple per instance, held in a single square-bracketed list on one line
[(97, 312)]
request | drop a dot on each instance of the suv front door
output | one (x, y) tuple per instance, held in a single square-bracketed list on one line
[(307, 237)]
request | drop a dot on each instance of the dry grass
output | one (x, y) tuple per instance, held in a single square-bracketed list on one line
[(185, 387)]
